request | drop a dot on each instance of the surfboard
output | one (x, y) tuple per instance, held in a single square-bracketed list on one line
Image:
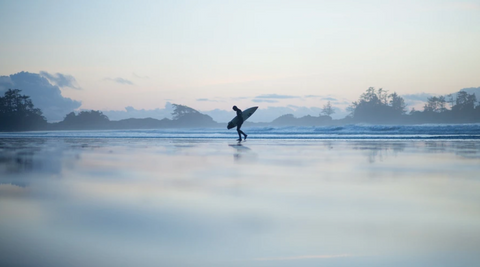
[(245, 115)]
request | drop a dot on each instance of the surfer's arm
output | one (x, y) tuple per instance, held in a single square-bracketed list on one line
[(240, 116)]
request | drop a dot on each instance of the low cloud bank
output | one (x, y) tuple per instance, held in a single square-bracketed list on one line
[(61, 80), (131, 112), (219, 115), (473, 90), (119, 80), (270, 113)]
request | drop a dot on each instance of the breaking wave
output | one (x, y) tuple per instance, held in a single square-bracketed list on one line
[(353, 131)]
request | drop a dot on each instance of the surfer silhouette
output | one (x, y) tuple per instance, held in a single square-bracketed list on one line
[(239, 124)]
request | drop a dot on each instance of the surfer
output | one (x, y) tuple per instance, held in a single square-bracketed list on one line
[(239, 124)]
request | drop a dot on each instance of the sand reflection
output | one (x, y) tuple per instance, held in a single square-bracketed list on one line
[(154, 202), (243, 154)]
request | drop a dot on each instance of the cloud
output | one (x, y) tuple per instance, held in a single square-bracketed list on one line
[(417, 97), (6, 83), (131, 112), (471, 90), (324, 98), (206, 100), (140, 77), (275, 96), (264, 101), (119, 80), (304, 257), (423, 97), (43, 94), (61, 80), (416, 100)]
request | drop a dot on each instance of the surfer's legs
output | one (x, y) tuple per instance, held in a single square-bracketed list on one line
[(244, 134), (240, 132)]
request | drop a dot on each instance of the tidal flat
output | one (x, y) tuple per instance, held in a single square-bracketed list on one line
[(215, 202)]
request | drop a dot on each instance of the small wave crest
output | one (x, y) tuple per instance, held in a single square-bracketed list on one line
[(384, 128), (329, 129), (353, 131)]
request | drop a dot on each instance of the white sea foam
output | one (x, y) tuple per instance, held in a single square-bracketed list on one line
[(353, 131)]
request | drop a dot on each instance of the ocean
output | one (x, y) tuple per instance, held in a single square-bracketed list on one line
[(347, 132)]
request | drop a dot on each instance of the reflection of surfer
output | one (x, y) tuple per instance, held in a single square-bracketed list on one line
[(241, 151), (239, 124)]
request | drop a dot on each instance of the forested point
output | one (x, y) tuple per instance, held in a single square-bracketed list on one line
[(17, 113)]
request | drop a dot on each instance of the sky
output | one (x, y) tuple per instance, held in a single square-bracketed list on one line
[(211, 55)]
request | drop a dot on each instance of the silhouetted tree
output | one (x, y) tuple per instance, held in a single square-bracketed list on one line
[(442, 103), (377, 106), (464, 102), (397, 103), (18, 113), (70, 118), (450, 100), (477, 110), (432, 105), (184, 116), (383, 96), (435, 104), (180, 111), (328, 109), (371, 97)]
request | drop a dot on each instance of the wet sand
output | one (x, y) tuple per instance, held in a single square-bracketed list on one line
[(187, 202)]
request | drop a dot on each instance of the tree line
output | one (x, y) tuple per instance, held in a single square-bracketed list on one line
[(461, 107), (378, 106), (17, 113)]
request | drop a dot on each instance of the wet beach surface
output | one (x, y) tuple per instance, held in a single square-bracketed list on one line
[(214, 202)]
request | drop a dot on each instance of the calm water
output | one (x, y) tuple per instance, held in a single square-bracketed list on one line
[(117, 201)]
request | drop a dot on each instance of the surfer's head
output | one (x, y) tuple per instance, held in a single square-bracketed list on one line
[(234, 108)]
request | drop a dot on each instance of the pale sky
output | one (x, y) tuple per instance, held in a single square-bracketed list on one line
[(214, 54)]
